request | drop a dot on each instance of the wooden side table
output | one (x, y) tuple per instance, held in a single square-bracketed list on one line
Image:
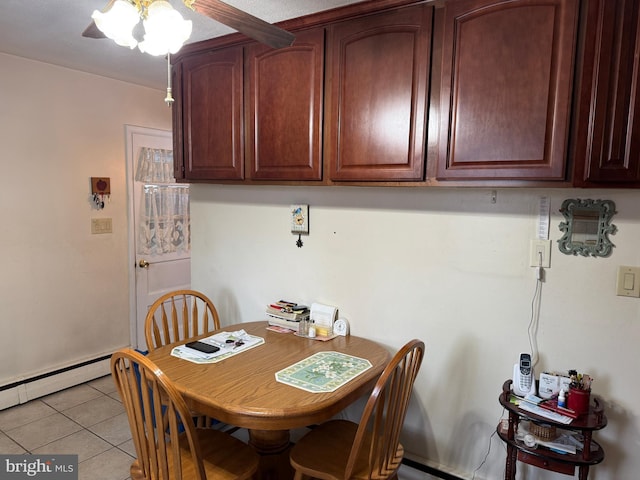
[(592, 453)]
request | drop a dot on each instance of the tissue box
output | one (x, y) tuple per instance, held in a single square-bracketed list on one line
[(550, 384)]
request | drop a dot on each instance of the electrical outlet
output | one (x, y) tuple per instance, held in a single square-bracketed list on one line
[(540, 253)]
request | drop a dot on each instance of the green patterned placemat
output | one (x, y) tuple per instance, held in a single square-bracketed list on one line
[(323, 371)]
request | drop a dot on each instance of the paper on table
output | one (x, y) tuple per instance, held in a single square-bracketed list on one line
[(219, 340), (323, 315)]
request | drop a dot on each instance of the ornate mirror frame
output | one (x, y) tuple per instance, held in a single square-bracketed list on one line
[(587, 227)]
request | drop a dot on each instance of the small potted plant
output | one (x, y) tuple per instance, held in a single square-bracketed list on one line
[(579, 392)]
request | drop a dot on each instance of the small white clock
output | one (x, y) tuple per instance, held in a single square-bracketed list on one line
[(341, 327)]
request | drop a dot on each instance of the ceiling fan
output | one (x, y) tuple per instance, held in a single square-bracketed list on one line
[(219, 11)]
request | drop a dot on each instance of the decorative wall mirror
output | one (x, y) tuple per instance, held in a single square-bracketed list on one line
[(587, 227)]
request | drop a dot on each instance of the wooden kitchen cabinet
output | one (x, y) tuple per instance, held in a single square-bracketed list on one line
[(284, 92), (505, 89), (208, 117), (513, 93), (607, 141), (377, 79)]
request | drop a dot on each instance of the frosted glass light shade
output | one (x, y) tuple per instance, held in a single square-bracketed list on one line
[(118, 22), (165, 29)]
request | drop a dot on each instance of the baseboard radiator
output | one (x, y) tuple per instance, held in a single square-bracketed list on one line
[(28, 389)]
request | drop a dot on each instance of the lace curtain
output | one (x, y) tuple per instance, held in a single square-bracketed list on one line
[(155, 165), (164, 211)]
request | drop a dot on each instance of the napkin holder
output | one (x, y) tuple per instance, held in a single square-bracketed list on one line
[(323, 317)]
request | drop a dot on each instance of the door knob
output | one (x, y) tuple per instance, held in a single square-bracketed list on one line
[(143, 264)]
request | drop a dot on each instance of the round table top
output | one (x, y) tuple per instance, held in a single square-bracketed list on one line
[(242, 390)]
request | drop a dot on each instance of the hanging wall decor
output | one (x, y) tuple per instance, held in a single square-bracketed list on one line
[(587, 227), (100, 189)]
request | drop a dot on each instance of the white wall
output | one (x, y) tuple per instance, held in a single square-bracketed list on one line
[(63, 292), (451, 268)]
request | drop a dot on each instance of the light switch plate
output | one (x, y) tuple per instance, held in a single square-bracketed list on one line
[(300, 219), (628, 284), (101, 225)]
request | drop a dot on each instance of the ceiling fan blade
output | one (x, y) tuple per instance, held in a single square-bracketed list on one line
[(245, 23), (92, 31)]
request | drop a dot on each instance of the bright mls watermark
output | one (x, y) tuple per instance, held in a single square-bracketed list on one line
[(50, 467)]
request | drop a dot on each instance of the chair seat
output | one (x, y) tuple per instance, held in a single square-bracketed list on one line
[(224, 457), (323, 453), (371, 449)]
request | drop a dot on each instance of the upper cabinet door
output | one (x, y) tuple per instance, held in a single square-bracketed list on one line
[(607, 148), (212, 115), (376, 96), (506, 87), (284, 109)]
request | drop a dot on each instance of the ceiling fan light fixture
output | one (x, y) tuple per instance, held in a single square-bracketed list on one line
[(118, 22), (165, 29)]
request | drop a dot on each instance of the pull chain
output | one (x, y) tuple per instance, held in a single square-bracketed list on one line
[(169, 98)]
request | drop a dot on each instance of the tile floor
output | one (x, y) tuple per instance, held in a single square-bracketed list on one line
[(88, 420)]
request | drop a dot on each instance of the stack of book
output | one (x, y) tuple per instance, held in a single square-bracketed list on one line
[(287, 314)]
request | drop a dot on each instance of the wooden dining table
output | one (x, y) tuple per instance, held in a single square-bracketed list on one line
[(242, 390)]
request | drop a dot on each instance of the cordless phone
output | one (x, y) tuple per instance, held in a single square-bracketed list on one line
[(523, 376)]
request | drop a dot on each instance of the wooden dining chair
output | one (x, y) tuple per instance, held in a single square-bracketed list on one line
[(168, 445), (177, 316), (370, 449)]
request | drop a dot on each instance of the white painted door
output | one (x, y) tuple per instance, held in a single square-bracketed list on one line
[(151, 274)]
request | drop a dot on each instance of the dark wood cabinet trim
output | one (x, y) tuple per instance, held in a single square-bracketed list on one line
[(177, 119), (373, 63), (544, 157), (212, 87), (606, 145), (319, 19), (284, 104)]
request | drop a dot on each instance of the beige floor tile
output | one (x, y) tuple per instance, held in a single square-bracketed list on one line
[(113, 464), (104, 384), (41, 432), (129, 448), (95, 411), (83, 443), (115, 396), (22, 414), (71, 397), (114, 430), (9, 447)]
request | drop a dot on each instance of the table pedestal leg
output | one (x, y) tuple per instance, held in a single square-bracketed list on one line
[(273, 447)]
